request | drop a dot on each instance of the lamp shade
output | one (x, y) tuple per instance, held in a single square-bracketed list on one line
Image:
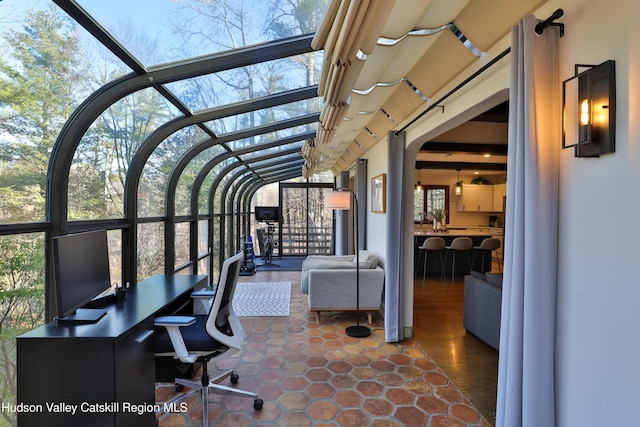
[(337, 200)]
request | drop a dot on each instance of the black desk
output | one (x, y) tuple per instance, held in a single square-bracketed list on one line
[(106, 369)]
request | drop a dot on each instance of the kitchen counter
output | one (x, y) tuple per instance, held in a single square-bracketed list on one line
[(453, 233), (462, 266)]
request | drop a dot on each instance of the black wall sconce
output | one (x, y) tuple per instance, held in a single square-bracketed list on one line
[(589, 110)]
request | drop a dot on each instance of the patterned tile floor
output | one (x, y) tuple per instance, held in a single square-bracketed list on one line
[(316, 375)]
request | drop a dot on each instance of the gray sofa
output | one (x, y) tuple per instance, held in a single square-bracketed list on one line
[(482, 306), (330, 283)]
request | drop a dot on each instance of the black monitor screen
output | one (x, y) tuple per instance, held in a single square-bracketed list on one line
[(81, 265), (267, 213)]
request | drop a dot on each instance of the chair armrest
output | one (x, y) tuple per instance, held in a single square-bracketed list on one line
[(204, 297), (173, 324), (203, 294), (174, 321)]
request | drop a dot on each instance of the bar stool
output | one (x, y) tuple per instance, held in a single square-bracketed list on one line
[(431, 244), (489, 244), (459, 244)]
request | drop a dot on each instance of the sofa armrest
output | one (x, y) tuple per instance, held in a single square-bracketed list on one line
[(336, 289), (482, 310)]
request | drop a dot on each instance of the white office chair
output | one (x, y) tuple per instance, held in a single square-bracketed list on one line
[(201, 338)]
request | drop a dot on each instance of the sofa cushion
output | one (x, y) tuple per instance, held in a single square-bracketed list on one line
[(494, 279), (367, 259)]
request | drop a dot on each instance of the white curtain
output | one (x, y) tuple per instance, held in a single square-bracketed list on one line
[(526, 362)]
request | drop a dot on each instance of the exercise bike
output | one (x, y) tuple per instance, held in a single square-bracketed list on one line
[(269, 245)]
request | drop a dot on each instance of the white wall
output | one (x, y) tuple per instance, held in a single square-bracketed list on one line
[(598, 305), (598, 292), (376, 222)]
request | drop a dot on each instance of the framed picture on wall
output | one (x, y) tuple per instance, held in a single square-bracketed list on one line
[(379, 193)]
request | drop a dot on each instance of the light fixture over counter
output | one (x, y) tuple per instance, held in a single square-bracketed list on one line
[(589, 110)]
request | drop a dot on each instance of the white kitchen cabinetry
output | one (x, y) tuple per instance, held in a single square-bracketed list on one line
[(485, 198), (468, 200), (499, 192), (477, 198)]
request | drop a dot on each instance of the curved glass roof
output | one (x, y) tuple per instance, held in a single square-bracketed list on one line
[(177, 79), (154, 83), (150, 84), (162, 31)]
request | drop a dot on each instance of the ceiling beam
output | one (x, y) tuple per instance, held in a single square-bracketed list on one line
[(464, 148), (461, 166)]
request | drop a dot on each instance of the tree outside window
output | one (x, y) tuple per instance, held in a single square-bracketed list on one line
[(429, 198)]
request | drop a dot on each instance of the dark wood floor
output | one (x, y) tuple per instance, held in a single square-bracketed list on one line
[(469, 362)]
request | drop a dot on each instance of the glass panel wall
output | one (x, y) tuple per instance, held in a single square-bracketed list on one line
[(153, 182), (46, 72), (114, 238), (22, 305), (150, 249), (101, 162), (294, 221), (307, 227), (188, 176), (181, 245)]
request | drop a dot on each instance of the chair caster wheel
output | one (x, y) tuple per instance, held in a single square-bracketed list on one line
[(234, 378), (257, 404), (179, 388)]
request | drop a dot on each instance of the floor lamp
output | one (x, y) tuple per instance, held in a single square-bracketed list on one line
[(341, 200)]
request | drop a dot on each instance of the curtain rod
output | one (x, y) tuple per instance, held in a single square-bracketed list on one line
[(539, 29)]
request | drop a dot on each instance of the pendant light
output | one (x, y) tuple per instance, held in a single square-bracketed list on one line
[(419, 185), (458, 185)]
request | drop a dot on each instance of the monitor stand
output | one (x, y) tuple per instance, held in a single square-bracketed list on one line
[(82, 316)]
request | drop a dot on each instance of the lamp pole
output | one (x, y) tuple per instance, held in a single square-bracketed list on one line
[(357, 330)]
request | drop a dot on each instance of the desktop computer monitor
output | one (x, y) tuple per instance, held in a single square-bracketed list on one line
[(81, 267)]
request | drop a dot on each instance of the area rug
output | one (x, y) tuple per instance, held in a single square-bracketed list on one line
[(262, 299)]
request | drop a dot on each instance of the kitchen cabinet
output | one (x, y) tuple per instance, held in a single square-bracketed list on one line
[(477, 198), (468, 200), (485, 198), (499, 192)]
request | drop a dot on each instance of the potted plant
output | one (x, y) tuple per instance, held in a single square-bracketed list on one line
[(438, 216), (480, 180)]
